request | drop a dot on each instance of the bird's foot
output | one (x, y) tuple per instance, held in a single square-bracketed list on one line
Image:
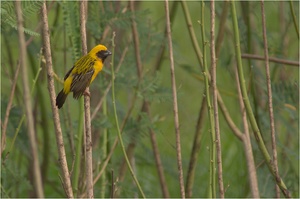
[(87, 93)]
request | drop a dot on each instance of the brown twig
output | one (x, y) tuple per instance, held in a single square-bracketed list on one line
[(8, 108), (131, 146), (247, 144), (37, 178), (158, 162), (195, 151), (236, 131), (145, 108), (175, 105), (253, 121), (223, 19), (58, 132), (215, 98), (163, 45), (136, 42), (270, 100), (199, 55), (87, 111), (271, 59)]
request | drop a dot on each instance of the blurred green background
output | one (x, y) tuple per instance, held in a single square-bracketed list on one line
[(107, 17)]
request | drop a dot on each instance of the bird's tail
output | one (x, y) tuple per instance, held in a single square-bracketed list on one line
[(61, 98)]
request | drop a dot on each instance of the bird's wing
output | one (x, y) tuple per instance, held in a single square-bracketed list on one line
[(68, 73), (80, 82)]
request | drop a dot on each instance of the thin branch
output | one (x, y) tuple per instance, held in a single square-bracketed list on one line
[(247, 144), (8, 108), (117, 122), (22, 118), (87, 111), (294, 18), (97, 108), (123, 167), (158, 162), (195, 150), (79, 148), (199, 55), (37, 178), (192, 32), (223, 19), (163, 45), (212, 148), (139, 66), (136, 42), (145, 108), (104, 147), (105, 163), (175, 105), (236, 131), (270, 100), (252, 119), (215, 98), (58, 132), (271, 59)]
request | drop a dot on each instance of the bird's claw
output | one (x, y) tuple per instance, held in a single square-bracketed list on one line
[(87, 93)]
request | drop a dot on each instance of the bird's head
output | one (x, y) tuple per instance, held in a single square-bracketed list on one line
[(100, 52)]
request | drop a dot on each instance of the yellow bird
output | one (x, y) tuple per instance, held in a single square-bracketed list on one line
[(82, 74)]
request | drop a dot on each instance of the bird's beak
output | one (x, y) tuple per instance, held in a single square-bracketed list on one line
[(107, 53)]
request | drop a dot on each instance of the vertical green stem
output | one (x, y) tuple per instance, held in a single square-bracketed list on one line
[(212, 150), (294, 18), (23, 116), (252, 119), (104, 149), (117, 122)]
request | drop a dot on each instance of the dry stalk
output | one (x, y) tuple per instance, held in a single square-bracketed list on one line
[(37, 178), (271, 59), (270, 100), (175, 105), (58, 133), (87, 111), (247, 144), (215, 98), (9, 105)]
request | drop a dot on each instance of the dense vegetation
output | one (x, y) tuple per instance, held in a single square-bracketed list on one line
[(144, 99)]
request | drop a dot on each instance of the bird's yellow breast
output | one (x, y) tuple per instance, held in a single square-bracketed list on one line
[(97, 68)]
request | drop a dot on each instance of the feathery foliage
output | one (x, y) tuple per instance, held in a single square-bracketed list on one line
[(8, 15), (153, 87), (71, 19)]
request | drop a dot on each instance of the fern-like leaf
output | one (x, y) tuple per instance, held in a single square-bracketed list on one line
[(71, 20), (8, 16)]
